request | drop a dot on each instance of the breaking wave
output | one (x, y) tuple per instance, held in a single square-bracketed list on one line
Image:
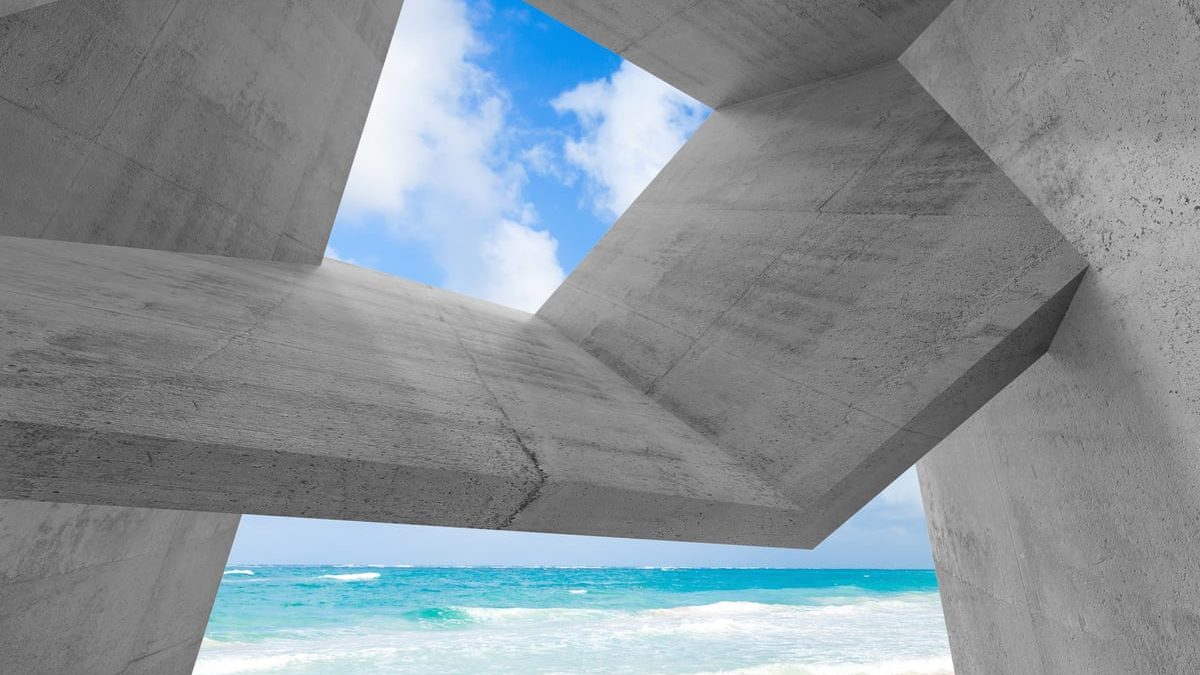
[(357, 576)]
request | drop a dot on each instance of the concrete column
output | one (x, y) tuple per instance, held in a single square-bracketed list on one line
[(103, 590), (182, 125), (1065, 516)]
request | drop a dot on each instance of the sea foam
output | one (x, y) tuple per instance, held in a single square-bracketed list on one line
[(357, 576)]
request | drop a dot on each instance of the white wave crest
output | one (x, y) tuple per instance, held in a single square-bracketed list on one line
[(358, 576), (239, 572)]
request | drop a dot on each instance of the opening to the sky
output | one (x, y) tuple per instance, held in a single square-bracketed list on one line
[(500, 147)]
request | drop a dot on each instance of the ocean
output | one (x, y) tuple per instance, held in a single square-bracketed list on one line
[(342, 620)]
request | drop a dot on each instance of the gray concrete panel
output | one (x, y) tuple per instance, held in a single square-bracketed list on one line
[(145, 378), (221, 128), (103, 590), (1065, 515), (14, 6), (727, 52), (824, 282)]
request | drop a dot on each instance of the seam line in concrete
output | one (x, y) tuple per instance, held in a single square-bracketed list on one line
[(541, 477)]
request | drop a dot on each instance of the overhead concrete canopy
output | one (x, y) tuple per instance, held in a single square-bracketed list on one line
[(827, 279), (724, 52)]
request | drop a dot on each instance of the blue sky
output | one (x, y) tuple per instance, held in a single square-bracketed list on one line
[(500, 148)]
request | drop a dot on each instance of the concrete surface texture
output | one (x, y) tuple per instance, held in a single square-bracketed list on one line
[(14, 6), (146, 378), (829, 278), (224, 128), (724, 52), (1065, 516), (825, 282), (105, 590)]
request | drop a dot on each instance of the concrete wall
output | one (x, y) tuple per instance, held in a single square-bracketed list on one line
[(101, 590), (212, 127), (1065, 516), (825, 282), (147, 378), (724, 52)]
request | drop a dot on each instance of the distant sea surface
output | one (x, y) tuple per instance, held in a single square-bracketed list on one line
[(374, 619)]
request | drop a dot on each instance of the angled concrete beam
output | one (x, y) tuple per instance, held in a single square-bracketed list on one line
[(824, 282), (190, 126), (724, 52), (145, 378)]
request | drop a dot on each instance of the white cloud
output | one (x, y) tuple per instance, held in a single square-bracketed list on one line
[(903, 497), (633, 123), (523, 266), (332, 253), (434, 165)]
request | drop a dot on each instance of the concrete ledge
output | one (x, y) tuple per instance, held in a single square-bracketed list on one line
[(147, 378), (824, 282)]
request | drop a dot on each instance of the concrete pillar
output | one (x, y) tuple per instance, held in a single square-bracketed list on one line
[(102, 590), (1065, 516), (185, 125)]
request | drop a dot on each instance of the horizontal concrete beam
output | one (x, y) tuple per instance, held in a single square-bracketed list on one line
[(824, 282), (724, 52), (147, 378)]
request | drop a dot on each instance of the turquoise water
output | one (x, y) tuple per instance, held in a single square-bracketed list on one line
[(374, 619)]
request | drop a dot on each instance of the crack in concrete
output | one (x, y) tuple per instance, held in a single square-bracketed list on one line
[(541, 477)]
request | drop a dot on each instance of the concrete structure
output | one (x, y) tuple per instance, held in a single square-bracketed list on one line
[(855, 259), (824, 282), (1064, 516)]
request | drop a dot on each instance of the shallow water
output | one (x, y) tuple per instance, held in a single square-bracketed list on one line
[(370, 619)]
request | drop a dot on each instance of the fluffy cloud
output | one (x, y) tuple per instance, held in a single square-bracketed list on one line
[(633, 123), (903, 497), (434, 165)]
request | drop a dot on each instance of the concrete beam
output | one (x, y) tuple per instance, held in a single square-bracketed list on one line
[(144, 378), (726, 52), (105, 590), (825, 283), (1065, 516), (222, 128)]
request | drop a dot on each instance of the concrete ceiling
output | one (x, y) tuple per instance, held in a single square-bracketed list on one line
[(724, 53)]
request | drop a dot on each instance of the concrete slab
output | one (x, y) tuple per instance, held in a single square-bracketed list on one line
[(724, 53), (144, 378), (824, 282), (188, 126)]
